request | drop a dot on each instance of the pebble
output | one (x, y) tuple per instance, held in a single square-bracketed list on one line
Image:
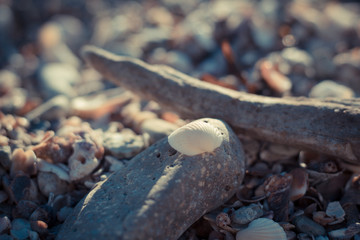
[(14, 100), (115, 164), (334, 209), (53, 47), (244, 215), (50, 183), (124, 144), (8, 81), (33, 235), (306, 225), (24, 209), (5, 224), (5, 157), (3, 196), (21, 187), (151, 185), (20, 228), (276, 152), (63, 213), (157, 128), (329, 88), (55, 108), (58, 79)]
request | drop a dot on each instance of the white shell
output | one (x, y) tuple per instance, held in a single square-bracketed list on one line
[(195, 138), (262, 228)]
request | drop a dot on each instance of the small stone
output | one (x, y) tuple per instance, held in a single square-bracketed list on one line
[(247, 214), (24, 209), (20, 228), (157, 128), (5, 156), (33, 235), (295, 56), (6, 237), (306, 225), (151, 185), (115, 164), (50, 183), (86, 157), (334, 209), (55, 108), (330, 88), (123, 145), (5, 224), (64, 213), (39, 226), (276, 152), (3, 196), (58, 79), (8, 81), (23, 162), (23, 187)]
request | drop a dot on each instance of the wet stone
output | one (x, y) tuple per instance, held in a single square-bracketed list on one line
[(133, 202)]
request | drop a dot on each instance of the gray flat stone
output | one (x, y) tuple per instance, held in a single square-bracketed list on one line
[(160, 193)]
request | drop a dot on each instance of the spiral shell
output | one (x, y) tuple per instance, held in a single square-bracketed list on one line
[(262, 228), (195, 138)]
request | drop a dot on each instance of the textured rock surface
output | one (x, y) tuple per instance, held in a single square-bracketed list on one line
[(160, 193)]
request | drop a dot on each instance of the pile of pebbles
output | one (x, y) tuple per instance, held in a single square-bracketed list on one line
[(64, 129)]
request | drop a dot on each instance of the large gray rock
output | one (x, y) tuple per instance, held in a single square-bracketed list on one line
[(160, 193)]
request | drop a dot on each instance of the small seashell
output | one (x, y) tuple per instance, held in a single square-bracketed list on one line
[(277, 188), (262, 228), (195, 138)]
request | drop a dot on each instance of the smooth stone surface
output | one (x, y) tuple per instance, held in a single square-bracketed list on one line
[(160, 193), (157, 128), (58, 79), (124, 144), (306, 225), (330, 88)]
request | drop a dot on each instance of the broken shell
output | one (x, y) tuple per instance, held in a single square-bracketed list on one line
[(262, 228), (334, 209), (223, 220), (277, 188), (44, 166), (85, 159), (195, 138), (321, 218), (299, 184)]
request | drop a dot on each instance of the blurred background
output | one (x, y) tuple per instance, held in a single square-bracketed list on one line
[(267, 47)]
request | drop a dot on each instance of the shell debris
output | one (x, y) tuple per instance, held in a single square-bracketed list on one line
[(195, 138), (262, 228)]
